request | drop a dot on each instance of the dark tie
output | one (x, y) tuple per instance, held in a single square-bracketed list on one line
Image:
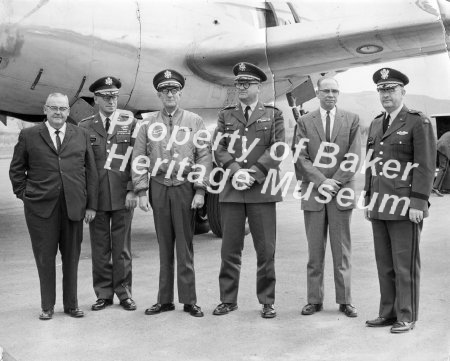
[(107, 124), (170, 120), (58, 141), (327, 127), (386, 123), (247, 109)]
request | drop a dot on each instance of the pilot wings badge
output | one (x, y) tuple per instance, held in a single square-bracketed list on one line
[(402, 132)]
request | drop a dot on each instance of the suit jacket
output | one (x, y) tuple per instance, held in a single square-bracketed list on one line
[(114, 183), (265, 124), (38, 172), (346, 136), (410, 138)]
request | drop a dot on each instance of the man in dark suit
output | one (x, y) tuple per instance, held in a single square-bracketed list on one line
[(110, 231), (402, 148), (323, 186), (53, 172), (248, 130)]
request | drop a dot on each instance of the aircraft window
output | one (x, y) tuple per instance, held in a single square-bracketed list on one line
[(266, 16), (284, 13)]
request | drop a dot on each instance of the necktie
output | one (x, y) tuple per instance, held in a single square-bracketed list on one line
[(247, 109), (58, 141), (386, 123), (107, 124), (170, 120), (327, 127)]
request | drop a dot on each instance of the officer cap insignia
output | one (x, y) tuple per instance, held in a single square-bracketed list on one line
[(384, 73), (242, 67), (167, 74), (108, 81), (386, 78), (246, 72)]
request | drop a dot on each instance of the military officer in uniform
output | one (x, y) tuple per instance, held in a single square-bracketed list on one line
[(111, 229), (401, 148), (174, 196), (247, 158)]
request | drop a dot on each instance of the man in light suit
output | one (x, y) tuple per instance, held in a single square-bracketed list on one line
[(402, 146), (258, 127), (328, 195), (53, 172), (111, 229)]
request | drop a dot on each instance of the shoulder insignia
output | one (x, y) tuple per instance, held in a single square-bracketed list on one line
[(88, 118), (425, 119), (271, 106), (412, 111), (231, 106), (380, 115)]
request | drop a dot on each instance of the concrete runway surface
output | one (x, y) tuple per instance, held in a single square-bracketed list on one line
[(115, 334)]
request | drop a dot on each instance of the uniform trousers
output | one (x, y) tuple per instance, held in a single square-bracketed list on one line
[(174, 223), (110, 233), (317, 225), (262, 223), (47, 234), (397, 255)]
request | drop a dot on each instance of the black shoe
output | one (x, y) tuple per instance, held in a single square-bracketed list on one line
[(349, 310), (268, 311), (46, 314), (194, 310), (158, 308), (101, 304), (380, 322), (74, 312), (437, 192), (312, 308), (128, 304), (402, 326), (224, 308)]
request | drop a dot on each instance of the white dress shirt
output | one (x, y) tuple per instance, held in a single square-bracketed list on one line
[(251, 110), (323, 115), (51, 130), (394, 114)]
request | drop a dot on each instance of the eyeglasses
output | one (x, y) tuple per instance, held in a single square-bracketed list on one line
[(55, 109), (244, 85), (387, 90), (108, 98), (329, 91), (173, 91)]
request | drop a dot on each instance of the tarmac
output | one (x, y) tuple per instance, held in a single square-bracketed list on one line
[(118, 335)]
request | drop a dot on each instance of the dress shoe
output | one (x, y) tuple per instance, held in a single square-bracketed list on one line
[(349, 310), (312, 308), (380, 322), (224, 308), (46, 314), (158, 308), (194, 310), (402, 326), (74, 312), (128, 304), (101, 304), (268, 311)]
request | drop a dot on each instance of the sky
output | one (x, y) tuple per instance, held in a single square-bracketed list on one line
[(428, 75)]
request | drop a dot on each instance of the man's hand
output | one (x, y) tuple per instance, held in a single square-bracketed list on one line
[(366, 214), (415, 215), (130, 200), (89, 215), (198, 201), (243, 178), (143, 203), (331, 186)]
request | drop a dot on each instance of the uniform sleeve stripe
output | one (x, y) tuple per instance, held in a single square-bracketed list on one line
[(261, 168), (419, 196)]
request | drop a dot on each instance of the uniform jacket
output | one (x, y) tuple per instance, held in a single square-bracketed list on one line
[(38, 172), (188, 123), (113, 183), (346, 136), (410, 138), (265, 124)]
